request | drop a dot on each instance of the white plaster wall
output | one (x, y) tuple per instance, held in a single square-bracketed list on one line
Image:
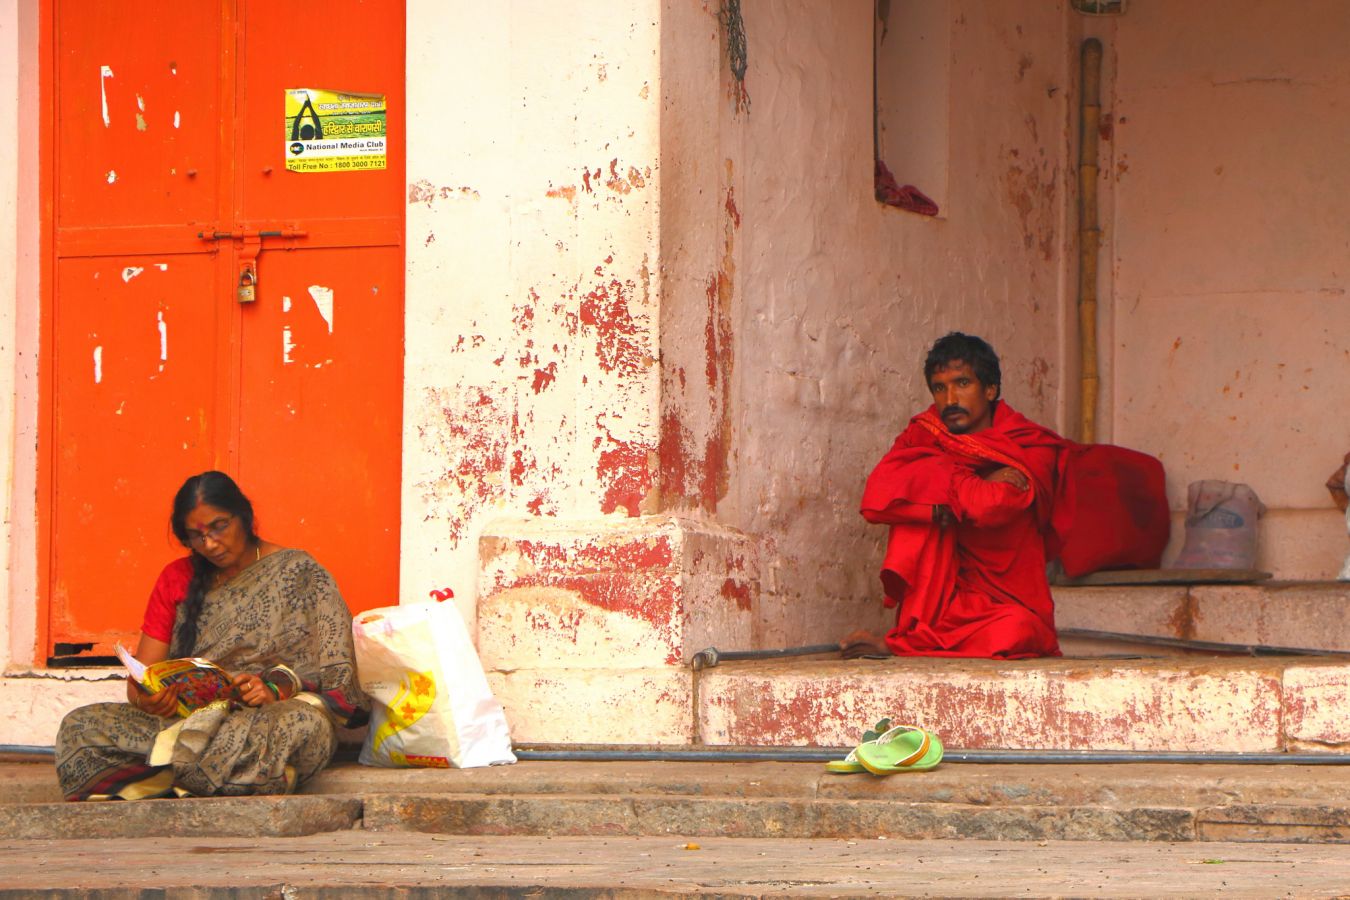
[(1232, 260), (838, 298), (531, 384), (9, 170), (18, 329)]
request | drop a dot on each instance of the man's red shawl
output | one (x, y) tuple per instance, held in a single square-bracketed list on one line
[(979, 588)]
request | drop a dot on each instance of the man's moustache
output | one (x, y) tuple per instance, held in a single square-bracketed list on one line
[(953, 410)]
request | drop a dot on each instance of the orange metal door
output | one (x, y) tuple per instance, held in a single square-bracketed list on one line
[(168, 158)]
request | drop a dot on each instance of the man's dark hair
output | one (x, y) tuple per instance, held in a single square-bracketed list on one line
[(966, 348)]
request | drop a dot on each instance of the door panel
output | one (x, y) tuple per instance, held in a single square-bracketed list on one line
[(146, 266), (359, 50), (138, 123), (136, 365), (320, 426)]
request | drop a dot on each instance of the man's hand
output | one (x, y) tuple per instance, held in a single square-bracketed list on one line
[(943, 517), (1009, 475), (863, 643)]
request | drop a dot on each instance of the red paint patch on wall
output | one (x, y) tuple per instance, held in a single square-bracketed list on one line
[(616, 182), (591, 557), (650, 599), (1106, 128), (421, 191), (620, 342), (624, 471), (518, 467), (545, 376), (732, 211), (738, 592), (470, 436)]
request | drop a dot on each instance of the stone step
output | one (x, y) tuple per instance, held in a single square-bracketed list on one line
[(356, 865), (1144, 802), (1303, 614), (1203, 704)]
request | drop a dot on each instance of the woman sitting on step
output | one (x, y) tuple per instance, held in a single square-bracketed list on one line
[(272, 616)]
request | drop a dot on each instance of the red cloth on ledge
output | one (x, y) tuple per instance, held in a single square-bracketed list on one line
[(978, 588)]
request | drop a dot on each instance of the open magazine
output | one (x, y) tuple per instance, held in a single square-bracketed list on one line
[(203, 682)]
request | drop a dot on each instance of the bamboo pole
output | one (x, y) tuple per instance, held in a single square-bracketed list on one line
[(1089, 236)]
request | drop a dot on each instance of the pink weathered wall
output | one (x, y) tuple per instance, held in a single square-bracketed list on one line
[(830, 300), (1228, 134)]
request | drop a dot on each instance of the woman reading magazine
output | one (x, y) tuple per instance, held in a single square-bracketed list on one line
[(271, 616)]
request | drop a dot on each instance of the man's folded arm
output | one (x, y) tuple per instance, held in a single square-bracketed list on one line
[(900, 512), (989, 504)]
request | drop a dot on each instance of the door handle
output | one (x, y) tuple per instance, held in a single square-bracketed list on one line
[(246, 233), (250, 247)]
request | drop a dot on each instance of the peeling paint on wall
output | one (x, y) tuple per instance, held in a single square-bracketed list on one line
[(163, 339), (105, 72), (622, 338), (323, 299), (468, 433), (424, 191)]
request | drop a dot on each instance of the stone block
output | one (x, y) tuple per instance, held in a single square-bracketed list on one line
[(612, 593), (597, 706), (1316, 698), (1305, 614), (1151, 705), (200, 817), (1276, 823), (1155, 610), (32, 704)]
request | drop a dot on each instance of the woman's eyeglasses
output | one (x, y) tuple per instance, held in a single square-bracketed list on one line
[(215, 531)]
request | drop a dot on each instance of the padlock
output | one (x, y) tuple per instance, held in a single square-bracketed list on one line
[(248, 285)]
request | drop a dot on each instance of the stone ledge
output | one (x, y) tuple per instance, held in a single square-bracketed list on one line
[(1306, 823), (1145, 802), (215, 817), (598, 706), (634, 816), (1148, 705), (1308, 614)]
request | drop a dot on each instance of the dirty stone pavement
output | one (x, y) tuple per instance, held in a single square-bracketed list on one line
[(634, 830), (358, 864)]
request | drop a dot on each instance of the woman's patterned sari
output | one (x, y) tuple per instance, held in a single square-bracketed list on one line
[(283, 612)]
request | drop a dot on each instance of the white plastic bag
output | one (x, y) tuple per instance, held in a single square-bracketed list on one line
[(431, 704)]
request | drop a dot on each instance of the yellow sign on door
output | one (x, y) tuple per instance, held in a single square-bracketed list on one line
[(333, 131)]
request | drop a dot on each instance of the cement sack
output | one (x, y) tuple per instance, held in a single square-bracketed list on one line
[(430, 701), (1221, 526)]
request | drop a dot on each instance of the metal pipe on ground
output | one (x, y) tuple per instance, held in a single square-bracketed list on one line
[(710, 657), (983, 757), (1191, 644), (707, 659), (824, 754)]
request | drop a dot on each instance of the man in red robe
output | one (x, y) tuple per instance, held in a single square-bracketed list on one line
[(967, 490)]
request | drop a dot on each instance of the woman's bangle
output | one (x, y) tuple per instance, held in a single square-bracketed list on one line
[(276, 693)]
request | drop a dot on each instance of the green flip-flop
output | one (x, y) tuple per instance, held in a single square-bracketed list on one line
[(849, 764), (905, 748)]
